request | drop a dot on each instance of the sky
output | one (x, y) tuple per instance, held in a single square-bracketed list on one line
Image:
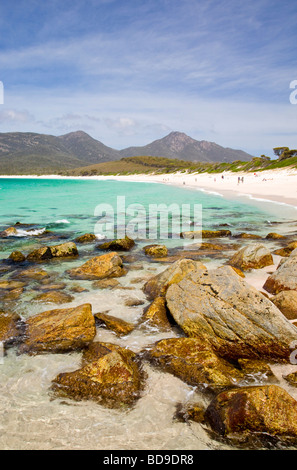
[(128, 72)]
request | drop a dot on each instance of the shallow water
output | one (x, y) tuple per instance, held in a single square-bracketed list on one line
[(30, 417)]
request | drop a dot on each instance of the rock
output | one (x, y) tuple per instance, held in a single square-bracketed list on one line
[(256, 371), (251, 236), (237, 320), (291, 378), (55, 297), (110, 375), (86, 238), (9, 285), (255, 256), (119, 326), (206, 234), (10, 295), (32, 273), (8, 232), (64, 250), (10, 328), (158, 285), (133, 302), (44, 285), (238, 271), (286, 302), (262, 409), (121, 244), (59, 330), (287, 250), (106, 284), (17, 257), (155, 315), (40, 254), (284, 278), (100, 267), (193, 361), (156, 251), (274, 236)]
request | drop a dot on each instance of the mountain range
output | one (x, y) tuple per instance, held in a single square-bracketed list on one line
[(32, 153)]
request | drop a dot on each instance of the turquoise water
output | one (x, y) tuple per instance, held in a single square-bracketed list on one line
[(68, 205)]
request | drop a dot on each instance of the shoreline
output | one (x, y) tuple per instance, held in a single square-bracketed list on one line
[(271, 186)]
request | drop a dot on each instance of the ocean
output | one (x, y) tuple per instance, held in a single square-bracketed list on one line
[(66, 208)]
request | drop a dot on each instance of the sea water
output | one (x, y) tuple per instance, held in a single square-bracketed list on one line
[(29, 417)]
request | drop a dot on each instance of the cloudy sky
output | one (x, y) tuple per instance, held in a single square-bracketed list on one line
[(130, 71)]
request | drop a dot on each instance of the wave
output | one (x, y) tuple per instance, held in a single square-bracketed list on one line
[(28, 233)]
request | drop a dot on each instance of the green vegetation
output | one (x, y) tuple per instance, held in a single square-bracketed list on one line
[(162, 165)]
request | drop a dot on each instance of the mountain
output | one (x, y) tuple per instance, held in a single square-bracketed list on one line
[(32, 153), (179, 145)]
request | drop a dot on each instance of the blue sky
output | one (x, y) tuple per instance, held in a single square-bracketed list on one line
[(131, 71)]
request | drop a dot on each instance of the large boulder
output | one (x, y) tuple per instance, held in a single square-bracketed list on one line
[(237, 320), (156, 251), (56, 251), (59, 330), (99, 267), (110, 375), (254, 256), (285, 277), (265, 409), (158, 285), (193, 361)]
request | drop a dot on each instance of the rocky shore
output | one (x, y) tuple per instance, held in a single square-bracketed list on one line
[(223, 335)]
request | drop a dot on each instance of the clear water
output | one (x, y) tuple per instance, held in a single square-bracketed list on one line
[(29, 418)]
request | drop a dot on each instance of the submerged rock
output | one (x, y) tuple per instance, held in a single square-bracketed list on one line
[(55, 297), (155, 315), (284, 278), (237, 320), (206, 234), (158, 285), (17, 257), (100, 267), (59, 330), (8, 232), (156, 251), (255, 256), (86, 238), (261, 409), (110, 375), (119, 326)]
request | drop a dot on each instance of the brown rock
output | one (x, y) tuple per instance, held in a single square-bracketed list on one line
[(55, 297), (263, 409), (9, 285), (39, 254), (32, 273), (121, 244), (100, 267), (206, 234), (10, 327), (59, 330), (284, 278), (86, 238), (255, 256), (286, 302), (64, 250), (274, 236), (17, 257), (287, 250), (251, 236), (10, 231), (106, 284), (156, 314), (133, 302), (110, 375), (158, 285), (119, 326), (156, 251)]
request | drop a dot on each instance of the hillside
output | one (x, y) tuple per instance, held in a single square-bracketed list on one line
[(32, 153), (179, 145)]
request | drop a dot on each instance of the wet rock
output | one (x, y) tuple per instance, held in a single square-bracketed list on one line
[(257, 371), (104, 266), (206, 234), (274, 236), (156, 251), (86, 238), (262, 409), (251, 236), (121, 244), (11, 295), (286, 302), (158, 285), (32, 273), (133, 302), (238, 271), (16, 257), (55, 297), (8, 232), (255, 256), (284, 278), (10, 328), (291, 378), (45, 285), (64, 250), (9, 285), (193, 361), (155, 315), (106, 284), (287, 250), (110, 375), (119, 326), (233, 316), (59, 330), (40, 254)]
